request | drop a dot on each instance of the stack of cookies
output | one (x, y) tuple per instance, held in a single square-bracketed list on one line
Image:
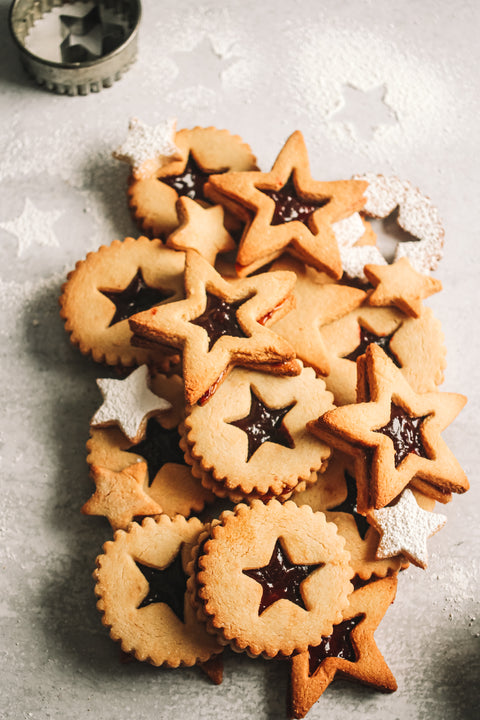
[(273, 459)]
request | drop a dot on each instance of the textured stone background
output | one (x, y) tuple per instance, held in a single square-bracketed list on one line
[(385, 87)]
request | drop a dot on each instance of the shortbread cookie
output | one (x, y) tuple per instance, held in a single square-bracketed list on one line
[(350, 650), (272, 578), (287, 208), (141, 584), (112, 284), (399, 284), (221, 324), (396, 436), (251, 438), (203, 151), (416, 345), (168, 481), (148, 148)]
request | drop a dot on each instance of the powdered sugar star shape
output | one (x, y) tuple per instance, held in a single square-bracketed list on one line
[(404, 528), (128, 403), (33, 227), (202, 66), (148, 148), (366, 110)]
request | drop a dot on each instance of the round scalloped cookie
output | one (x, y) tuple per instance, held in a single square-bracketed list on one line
[(153, 202), (88, 312), (174, 487), (252, 544), (163, 632), (251, 437), (416, 343)]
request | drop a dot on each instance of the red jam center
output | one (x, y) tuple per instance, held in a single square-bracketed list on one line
[(166, 586), (264, 424), (404, 431), (289, 207), (220, 318), (280, 579), (338, 644), (190, 183), (136, 297), (159, 447), (366, 338), (349, 505)]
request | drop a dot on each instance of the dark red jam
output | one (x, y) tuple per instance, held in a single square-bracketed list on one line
[(339, 644), (366, 338), (166, 586), (220, 318), (190, 183), (404, 431), (280, 579), (349, 505), (159, 447), (289, 207), (264, 424), (136, 297)]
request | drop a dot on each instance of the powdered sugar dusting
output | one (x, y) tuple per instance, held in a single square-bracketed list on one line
[(146, 143), (33, 227), (349, 230), (354, 260)]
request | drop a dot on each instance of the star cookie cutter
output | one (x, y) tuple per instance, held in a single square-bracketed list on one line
[(94, 49)]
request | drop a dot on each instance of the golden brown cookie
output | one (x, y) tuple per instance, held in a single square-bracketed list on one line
[(141, 584), (110, 285), (271, 578)]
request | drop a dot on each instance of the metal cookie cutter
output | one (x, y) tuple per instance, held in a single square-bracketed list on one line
[(94, 49)]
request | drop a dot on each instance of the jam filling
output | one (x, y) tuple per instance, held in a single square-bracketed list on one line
[(191, 181), (136, 297), (349, 505), (289, 207), (220, 318), (339, 644), (404, 431), (159, 447), (280, 579), (166, 586), (264, 424), (366, 338)]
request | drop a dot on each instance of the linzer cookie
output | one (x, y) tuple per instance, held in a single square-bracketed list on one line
[(271, 578), (203, 151), (141, 585), (112, 284), (287, 208), (350, 651), (251, 438), (221, 324), (396, 436), (165, 482)]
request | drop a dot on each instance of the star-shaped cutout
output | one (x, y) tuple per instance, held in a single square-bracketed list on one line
[(167, 585), (120, 496), (89, 37), (136, 297), (201, 229), (356, 656), (399, 284), (367, 337), (129, 403), (264, 424), (202, 66), (316, 304), (404, 528), (281, 579), (366, 110), (264, 238), (262, 298), (147, 148), (159, 447), (190, 182), (33, 227), (357, 429)]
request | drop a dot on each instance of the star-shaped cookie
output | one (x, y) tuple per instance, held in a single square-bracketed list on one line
[(351, 650), (129, 404), (287, 208), (401, 285), (221, 324), (148, 148), (201, 229), (405, 528), (396, 436), (119, 496)]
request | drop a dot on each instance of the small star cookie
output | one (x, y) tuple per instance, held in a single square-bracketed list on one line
[(148, 148), (401, 285), (201, 229)]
